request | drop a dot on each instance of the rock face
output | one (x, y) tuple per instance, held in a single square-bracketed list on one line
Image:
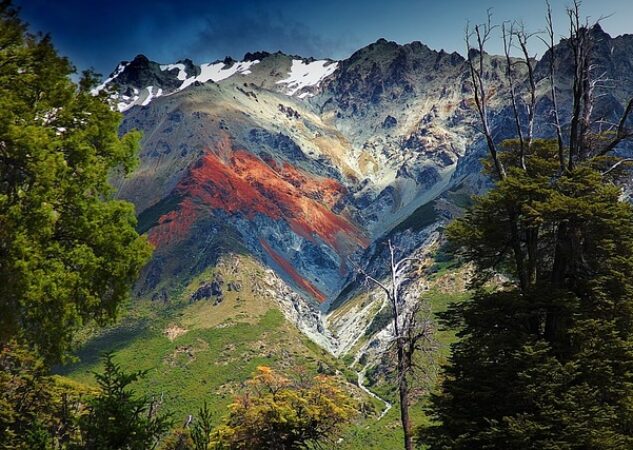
[(308, 165)]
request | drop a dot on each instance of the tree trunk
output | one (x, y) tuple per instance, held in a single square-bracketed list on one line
[(403, 388)]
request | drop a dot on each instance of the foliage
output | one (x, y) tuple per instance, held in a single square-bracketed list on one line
[(380, 321), (201, 428), (277, 413), (422, 217), (195, 435), (178, 439), (42, 412), (548, 365), (36, 412), (68, 252), (117, 418)]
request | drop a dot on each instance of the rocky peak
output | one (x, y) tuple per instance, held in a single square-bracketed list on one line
[(256, 56), (141, 73), (612, 58)]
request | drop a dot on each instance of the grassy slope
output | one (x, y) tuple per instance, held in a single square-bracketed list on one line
[(222, 346), (220, 349)]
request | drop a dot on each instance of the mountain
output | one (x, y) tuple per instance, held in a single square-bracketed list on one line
[(308, 166), (266, 183)]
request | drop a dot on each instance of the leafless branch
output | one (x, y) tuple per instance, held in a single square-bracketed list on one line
[(623, 133), (480, 34), (522, 38), (550, 43), (616, 165), (508, 36)]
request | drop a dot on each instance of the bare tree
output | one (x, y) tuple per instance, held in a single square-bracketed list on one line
[(551, 44), (480, 34), (413, 331), (580, 143), (516, 33), (475, 57)]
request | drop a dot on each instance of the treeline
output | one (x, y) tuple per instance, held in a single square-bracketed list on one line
[(545, 361), (69, 254)]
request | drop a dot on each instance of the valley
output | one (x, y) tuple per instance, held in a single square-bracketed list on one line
[(266, 187)]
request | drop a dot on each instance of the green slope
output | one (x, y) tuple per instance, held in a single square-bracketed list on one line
[(205, 351)]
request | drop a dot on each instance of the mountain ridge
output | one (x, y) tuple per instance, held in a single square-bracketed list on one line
[(308, 165)]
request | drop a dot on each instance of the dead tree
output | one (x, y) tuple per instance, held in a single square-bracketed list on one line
[(578, 140), (481, 34), (475, 58), (412, 332), (516, 33), (551, 44)]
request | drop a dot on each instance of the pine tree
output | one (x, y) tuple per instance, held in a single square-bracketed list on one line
[(37, 411), (201, 428), (118, 419), (69, 252), (550, 366)]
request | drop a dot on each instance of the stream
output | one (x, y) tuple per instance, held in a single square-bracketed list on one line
[(361, 384)]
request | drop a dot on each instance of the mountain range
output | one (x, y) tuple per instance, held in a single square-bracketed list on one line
[(308, 167)]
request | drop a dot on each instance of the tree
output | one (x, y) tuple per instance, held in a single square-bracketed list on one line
[(412, 333), (545, 361), (201, 428), (69, 252), (195, 434), (178, 439), (36, 411), (550, 366), (118, 419), (277, 414)]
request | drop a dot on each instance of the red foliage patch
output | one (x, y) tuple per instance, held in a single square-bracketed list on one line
[(174, 224), (240, 182)]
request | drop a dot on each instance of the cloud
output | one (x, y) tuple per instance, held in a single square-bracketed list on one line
[(101, 34), (259, 30)]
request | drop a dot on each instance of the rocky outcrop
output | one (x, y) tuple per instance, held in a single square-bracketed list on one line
[(209, 290)]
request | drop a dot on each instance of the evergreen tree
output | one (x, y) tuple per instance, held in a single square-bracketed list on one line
[(178, 439), (117, 418), (201, 428), (69, 252), (545, 361), (37, 411), (549, 366)]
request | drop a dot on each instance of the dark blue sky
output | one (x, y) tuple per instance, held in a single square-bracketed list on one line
[(99, 34)]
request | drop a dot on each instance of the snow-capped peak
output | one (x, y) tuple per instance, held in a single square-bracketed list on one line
[(182, 73), (130, 96)]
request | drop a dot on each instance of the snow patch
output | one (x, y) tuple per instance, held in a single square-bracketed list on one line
[(182, 73), (151, 95), (218, 71), (307, 74), (119, 70), (208, 72)]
